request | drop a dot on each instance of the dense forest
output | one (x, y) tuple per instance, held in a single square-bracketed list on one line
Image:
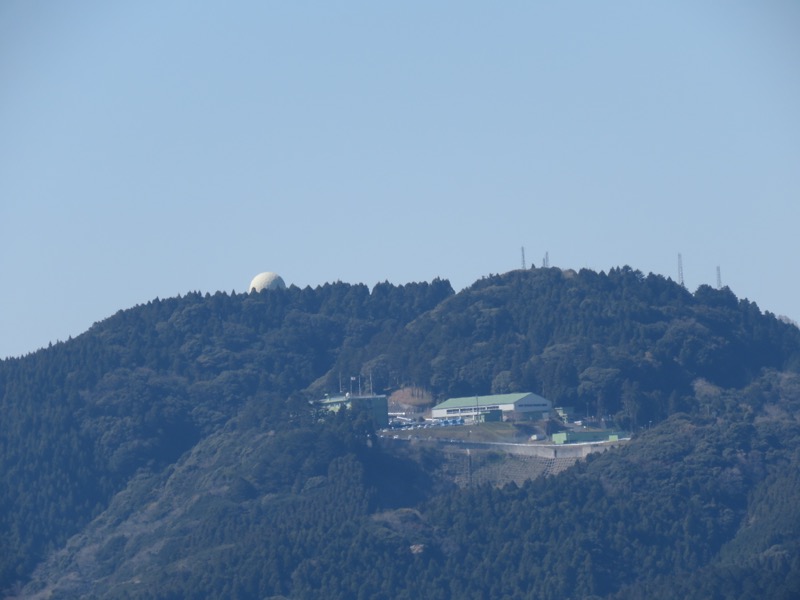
[(174, 451)]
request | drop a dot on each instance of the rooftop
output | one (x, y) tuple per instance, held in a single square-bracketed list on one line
[(486, 400)]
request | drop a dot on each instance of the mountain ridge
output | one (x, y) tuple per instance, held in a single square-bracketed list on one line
[(132, 403)]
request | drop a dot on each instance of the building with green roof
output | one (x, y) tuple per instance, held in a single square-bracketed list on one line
[(524, 405)]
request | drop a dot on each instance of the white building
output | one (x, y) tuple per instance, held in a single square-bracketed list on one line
[(525, 405)]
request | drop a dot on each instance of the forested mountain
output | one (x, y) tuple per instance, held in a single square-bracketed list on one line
[(172, 451)]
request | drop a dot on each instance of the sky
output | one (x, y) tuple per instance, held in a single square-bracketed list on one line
[(150, 149)]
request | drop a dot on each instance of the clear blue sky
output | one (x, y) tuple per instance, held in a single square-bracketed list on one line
[(149, 148)]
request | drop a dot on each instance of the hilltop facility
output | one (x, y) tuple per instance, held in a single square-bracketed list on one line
[(266, 281), (524, 405)]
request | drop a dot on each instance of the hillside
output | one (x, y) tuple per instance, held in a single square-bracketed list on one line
[(171, 450)]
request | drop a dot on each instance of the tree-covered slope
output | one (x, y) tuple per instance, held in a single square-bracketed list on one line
[(620, 344), (672, 515), (141, 388), (176, 444)]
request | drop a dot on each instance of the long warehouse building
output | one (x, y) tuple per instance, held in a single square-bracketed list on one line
[(525, 405)]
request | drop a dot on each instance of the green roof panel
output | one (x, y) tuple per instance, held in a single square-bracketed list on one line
[(468, 401)]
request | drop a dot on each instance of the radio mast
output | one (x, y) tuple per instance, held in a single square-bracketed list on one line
[(719, 279), (523, 258), (680, 270)]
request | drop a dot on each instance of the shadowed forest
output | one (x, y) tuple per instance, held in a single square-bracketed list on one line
[(174, 450)]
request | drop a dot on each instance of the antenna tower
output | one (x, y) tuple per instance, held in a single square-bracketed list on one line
[(719, 279), (546, 260), (523, 258), (680, 270)]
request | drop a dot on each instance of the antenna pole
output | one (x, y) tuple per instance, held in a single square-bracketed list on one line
[(680, 270), (523, 258), (719, 279)]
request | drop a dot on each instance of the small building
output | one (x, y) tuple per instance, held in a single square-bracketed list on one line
[(377, 406), (577, 437), (524, 405)]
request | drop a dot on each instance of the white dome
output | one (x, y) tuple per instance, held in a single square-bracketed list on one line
[(266, 281)]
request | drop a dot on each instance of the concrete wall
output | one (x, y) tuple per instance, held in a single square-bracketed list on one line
[(543, 450)]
